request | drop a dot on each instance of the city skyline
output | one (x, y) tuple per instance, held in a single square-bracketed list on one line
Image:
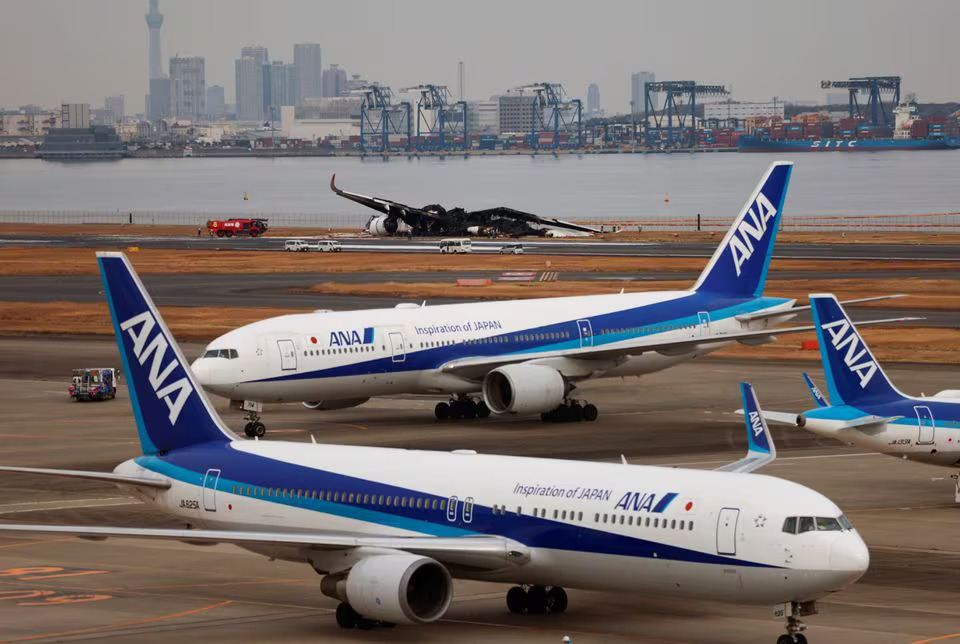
[(739, 47)]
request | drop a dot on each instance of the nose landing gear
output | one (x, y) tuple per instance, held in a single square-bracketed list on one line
[(251, 413), (795, 625)]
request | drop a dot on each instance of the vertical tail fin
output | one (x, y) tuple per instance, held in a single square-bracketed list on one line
[(818, 396), (760, 448), (739, 266), (171, 410), (852, 373)]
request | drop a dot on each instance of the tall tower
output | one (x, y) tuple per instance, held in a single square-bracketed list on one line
[(154, 22)]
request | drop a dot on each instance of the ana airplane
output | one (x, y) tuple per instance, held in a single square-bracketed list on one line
[(521, 356), (389, 528), (865, 408)]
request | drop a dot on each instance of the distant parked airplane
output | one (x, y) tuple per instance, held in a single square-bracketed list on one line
[(390, 528)]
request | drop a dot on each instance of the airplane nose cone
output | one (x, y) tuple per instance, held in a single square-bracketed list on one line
[(202, 371), (849, 553)]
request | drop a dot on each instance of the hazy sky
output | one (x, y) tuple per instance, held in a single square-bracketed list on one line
[(82, 50)]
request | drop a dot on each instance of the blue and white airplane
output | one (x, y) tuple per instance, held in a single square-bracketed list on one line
[(523, 357), (390, 528), (864, 407)]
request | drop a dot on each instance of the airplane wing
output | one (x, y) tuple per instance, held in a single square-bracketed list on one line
[(519, 215), (160, 484), (386, 206), (486, 552), (760, 448), (591, 359), (749, 317)]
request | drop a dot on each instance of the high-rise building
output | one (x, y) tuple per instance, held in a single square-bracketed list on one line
[(249, 83), (188, 87), (516, 113), (334, 81), (75, 115), (115, 105), (306, 59), (216, 102), (593, 99), (637, 80), (280, 83), (255, 51)]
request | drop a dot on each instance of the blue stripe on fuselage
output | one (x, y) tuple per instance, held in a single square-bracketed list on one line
[(241, 468), (608, 328)]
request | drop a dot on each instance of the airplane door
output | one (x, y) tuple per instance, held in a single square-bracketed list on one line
[(210, 490), (288, 355), (703, 321), (397, 351), (727, 531), (586, 333), (925, 425)]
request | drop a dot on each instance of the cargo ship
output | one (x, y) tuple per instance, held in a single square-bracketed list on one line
[(910, 133)]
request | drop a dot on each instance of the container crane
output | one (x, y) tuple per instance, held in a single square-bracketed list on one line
[(380, 118), (873, 86), (440, 125), (565, 116), (678, 96)]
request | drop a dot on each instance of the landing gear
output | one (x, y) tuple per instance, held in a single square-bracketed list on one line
[(254, 428), (349, 618), (571, 411), (536, 600), (462, 407), (795, 625)]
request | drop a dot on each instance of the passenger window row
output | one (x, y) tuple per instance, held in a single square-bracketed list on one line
[(613, 519), (798, 525), (366, 348)]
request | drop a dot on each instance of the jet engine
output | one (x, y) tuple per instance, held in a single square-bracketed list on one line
[(523, 389), (399, 588), (383, 226), (327, 405)]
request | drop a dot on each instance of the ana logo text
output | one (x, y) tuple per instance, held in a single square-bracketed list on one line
[(857, 358), (352, 337), (642, 501), (756, 423), (753, 227), (174, 394)]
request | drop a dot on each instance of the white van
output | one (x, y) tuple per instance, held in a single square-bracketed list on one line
[(459, 245), (296, 246), (328, 246)]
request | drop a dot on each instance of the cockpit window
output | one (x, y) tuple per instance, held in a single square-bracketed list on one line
[(798, 525), (230, 354)]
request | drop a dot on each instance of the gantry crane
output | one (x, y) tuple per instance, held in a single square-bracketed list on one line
[(440, 125), (380, 118), (873, 86), (678, 96), (565, 116)]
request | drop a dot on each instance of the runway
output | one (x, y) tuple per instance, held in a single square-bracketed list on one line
[(839, 251), (130, 591)]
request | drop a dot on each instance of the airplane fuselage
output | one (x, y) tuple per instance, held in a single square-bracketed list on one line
[(429, 349), (585, 525)]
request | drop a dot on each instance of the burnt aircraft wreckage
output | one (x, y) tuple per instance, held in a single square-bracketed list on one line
[(436, 221)]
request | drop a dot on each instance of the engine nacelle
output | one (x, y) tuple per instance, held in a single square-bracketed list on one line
[(327, 405), (385, 226), (400, 588), (523, 389)]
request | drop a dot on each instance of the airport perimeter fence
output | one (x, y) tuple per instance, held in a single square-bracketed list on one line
[(948, 222)]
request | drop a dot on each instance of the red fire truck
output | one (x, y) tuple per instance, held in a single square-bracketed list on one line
[(237, 226)]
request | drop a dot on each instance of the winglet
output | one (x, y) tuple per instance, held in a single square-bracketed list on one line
[(760, 448), (818, 396), (333, 182)]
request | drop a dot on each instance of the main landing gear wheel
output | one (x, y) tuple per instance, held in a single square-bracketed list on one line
[(457, 408), (799, 638), (255, 429), (536, 600), (347, 617), (571, 411)]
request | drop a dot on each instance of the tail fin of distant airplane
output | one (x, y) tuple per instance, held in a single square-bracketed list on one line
[(818, 396), (852, 373), (739, 266), (171, 410), (760, 448)]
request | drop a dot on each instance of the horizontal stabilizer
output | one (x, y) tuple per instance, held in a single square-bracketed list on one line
[(763, 315), (108, 477)]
